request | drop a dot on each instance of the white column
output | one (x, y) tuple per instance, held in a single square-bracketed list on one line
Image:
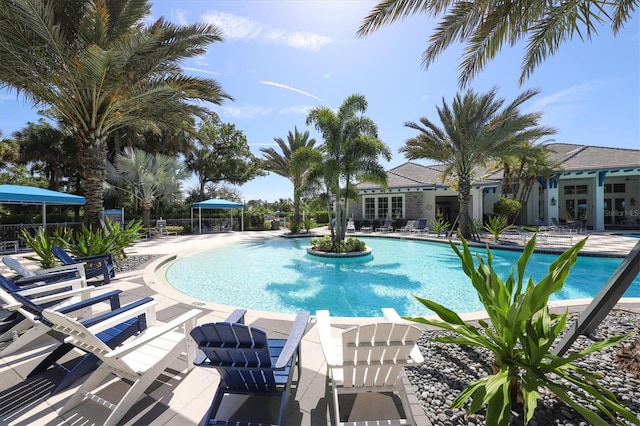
[(598, 208)]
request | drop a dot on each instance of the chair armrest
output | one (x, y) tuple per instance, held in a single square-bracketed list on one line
[(327, 342), (293, 341), (74, 283), (146, 308), (112, 296), (78, 268), (44, 294), (154, 333), (135, 307), (236, 316), (96, 258), (31, 279)]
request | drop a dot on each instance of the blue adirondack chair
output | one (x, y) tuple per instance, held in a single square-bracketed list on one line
[(249, 363), (133, 322), (103, 263)]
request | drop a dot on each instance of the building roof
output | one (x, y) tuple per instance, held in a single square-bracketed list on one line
[(572, 158)]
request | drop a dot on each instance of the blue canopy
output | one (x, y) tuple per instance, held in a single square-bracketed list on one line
[(17, 194), (215, 204)]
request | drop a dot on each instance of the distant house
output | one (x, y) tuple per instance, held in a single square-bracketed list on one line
[(597, 186)]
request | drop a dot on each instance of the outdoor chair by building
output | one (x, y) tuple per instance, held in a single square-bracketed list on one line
[(368, 359), (138, 362), (387, 226), (249, 364), (96, 266)]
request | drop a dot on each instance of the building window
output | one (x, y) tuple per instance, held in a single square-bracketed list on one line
[(396, 207), (383, 207), (369, 208)]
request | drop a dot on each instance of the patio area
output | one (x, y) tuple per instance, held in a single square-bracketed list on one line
[(183, 399)]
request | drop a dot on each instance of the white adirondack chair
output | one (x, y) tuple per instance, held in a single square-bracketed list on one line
[(139, 360), (370, 358), (27, 328)]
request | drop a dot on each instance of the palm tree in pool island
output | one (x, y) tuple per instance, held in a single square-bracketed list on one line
[(96, 68), (351, 151), (475, 132)]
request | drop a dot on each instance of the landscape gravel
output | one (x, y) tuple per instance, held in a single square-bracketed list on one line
[(449, 368), (133, 262)]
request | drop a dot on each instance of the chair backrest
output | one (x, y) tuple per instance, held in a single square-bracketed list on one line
[(422, 223), (555, 221), (63, 255), (85, 339), (410, 224), (373, 354), (17, 266), (7, 284), (240, 354)]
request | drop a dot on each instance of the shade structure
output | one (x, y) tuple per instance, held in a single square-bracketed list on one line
[(18, 194), (215, 203)]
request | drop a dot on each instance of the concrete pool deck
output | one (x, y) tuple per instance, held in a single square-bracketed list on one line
[(183, 399)]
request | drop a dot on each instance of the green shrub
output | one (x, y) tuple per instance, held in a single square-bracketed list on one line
[(507, 207), (520, 334), (326, 244)]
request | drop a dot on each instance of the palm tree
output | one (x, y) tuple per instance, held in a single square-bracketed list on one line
[(148, 177), (475, 132), (291, 163), (485, 26), (351, 152), (98, 68)]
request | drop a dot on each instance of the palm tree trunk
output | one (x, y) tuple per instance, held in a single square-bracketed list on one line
[(93, 154), (464, 198)]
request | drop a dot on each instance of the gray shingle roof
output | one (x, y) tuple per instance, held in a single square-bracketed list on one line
[(570, 156)]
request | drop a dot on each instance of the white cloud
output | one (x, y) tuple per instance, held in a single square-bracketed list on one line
[(181, 17), (245, 111), (572, 95), (240, 27), (293, 89), (202, 70), (298, 109)]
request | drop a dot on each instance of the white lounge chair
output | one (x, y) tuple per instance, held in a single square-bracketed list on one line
[(408, 227), (387, 226), (351, 227), (421, 226), (369, 358), (138, 361)]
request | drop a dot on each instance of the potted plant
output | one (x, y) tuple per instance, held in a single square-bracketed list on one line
[(520, 333), (439, 226)]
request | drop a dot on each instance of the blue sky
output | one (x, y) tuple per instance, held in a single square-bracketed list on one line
[(281, 58)]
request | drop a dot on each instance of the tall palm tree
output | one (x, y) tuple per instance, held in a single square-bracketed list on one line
[(475, 132), (290, 163), (485, 26), (148, 177), (98, 68), (351, 152)]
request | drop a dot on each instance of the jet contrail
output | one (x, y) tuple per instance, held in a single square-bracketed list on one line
[(271, 83)]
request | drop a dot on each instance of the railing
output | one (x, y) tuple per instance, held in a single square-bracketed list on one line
[(12, 232)]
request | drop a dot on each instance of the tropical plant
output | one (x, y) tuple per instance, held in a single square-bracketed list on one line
[(351, 150), (96, 67), (520, 333), (485, 27), (292, 162), (440, 225), (497, 225), (147, 177), (222, 155), (475, 132), (42, 241), (327, 244)]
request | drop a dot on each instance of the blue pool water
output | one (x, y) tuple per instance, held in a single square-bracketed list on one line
[(278, 275)]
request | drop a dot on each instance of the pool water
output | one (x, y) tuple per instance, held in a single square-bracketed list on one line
[(278, 275)]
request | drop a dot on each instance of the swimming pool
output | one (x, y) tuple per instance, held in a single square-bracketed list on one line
[(278, 275)]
